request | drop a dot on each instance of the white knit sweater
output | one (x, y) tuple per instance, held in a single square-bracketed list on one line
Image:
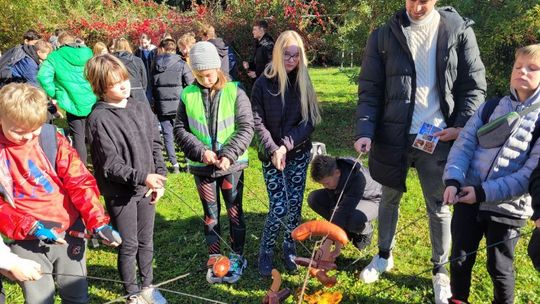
[(422, 39)]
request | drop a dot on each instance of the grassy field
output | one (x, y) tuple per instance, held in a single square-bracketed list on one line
[(180, 246)]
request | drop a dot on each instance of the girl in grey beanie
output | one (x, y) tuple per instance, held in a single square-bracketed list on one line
[(214, 127)]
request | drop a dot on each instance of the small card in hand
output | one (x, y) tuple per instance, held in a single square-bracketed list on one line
[(425, 140)]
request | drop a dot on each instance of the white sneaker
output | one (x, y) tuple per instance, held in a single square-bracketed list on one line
[(374, 269), (152, 296), (441, 288)]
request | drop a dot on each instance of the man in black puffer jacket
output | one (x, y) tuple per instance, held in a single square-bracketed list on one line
[(423, 66), (171, 75)]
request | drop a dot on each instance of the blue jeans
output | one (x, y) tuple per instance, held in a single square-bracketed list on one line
[(167, 124), (286, 193), (430, 170)]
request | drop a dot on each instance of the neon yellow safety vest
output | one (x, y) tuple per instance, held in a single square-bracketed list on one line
[(192, 99)]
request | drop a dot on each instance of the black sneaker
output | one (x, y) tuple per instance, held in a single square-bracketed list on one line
[(361, 241), (289, 254)]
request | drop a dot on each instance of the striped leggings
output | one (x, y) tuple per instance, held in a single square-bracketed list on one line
[(231, 187)]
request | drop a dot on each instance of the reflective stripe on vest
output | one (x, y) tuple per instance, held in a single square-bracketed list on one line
[(226, 128)]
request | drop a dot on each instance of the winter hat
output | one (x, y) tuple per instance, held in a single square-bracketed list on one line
[(204, 56)]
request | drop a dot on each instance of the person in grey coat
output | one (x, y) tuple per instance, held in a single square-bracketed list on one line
[(422, 66), (135, 66)]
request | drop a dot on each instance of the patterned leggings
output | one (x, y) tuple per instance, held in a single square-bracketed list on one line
[(231, 190), (286, 193)]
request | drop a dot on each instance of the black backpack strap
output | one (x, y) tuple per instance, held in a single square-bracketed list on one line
[(49, 143), (489, 107)]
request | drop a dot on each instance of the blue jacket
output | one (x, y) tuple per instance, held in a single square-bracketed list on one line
[(26, 71), (500, 175)]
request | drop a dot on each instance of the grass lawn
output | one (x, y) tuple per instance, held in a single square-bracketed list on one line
[(180, 246)]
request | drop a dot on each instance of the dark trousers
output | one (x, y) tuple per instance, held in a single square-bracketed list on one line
[(467, 231), (167, 124), (69, 259), (134, 220), (232, 187), (77, 129), (323, 202)]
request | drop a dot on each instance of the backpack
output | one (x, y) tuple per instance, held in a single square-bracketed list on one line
[(490, 106), (7, 61)]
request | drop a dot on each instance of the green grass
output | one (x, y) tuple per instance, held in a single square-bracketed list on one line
[(180, 246)]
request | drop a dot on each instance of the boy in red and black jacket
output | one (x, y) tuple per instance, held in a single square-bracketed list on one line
[(42, 202)]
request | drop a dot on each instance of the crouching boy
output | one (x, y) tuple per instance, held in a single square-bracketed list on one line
[(352, 192), (44, 197)]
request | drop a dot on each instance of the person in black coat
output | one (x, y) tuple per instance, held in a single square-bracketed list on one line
[(171, 75), (285, 111), (135, 66), (350, 198), (147, 52), (422, 66), (262, 53)]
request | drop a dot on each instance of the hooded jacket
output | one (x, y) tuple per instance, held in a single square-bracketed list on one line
[(223, 52), (126, 147), (387, 89), (171, 75), (137, 74), (26, 69), (500, 175), (61, 75)]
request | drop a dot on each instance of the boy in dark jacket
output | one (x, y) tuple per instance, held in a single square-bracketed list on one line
[(262, 53), (171, 75), (128, 164), (352, 191)]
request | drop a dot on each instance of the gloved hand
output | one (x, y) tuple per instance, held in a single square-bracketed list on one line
[(109, 236), (45, 234)]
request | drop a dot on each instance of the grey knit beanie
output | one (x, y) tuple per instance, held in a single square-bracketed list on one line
[(204, 56)]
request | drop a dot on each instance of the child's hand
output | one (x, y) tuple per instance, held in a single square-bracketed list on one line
[(24, 270), (156, 193), (45, 234), (209, 157), (279, 157), (450, 195), (154, 181), (537, 222), (224, 163), (467, 195), (109, 236)]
